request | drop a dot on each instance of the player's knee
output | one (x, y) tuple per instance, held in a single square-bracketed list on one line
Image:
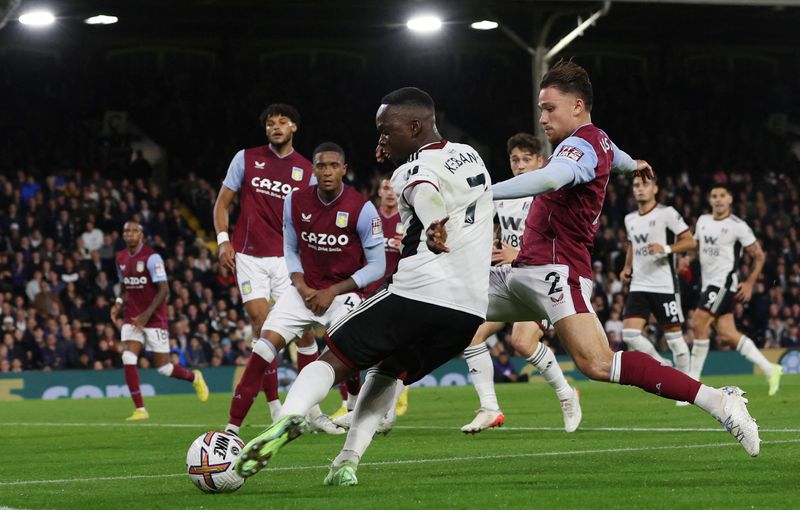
[(165, 370), (129, 358)]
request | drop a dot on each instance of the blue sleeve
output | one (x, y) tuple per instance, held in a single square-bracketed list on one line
[(622, 163), (573, 162), (375, 268), (313, 180), (155, 266), (235, 175), (370, 230), (290, 249)]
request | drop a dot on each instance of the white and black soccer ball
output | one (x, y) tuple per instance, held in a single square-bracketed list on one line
[(210, 462)]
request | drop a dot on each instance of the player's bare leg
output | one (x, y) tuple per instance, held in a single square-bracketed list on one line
[(728, 334), (130, 357), (633, 338), (309, 389), (257, 310), (481, 373), (525, 338), (584, 339), (168, 369)]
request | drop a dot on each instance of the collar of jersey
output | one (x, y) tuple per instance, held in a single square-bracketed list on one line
[(269, 146), (332, 201), (428, 146)]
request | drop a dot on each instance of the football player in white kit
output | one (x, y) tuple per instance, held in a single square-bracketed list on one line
[(721, 236), (525, 155), (429, 311), (656, 233)]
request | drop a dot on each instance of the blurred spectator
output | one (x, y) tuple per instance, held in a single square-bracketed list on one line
[(504, 371)]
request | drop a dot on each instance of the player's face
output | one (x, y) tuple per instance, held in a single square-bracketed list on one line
[(387, 195), (132, 234), (280, 130), (523, 161), (560, 113), (720, 201), (395, 134), (644, 191), (329, 169)]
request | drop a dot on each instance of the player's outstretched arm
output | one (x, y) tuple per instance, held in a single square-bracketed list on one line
[(685, 243)]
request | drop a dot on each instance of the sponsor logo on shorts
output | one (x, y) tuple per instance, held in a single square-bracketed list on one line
[(342, 218), (246, 288), (557, 299), (297, 173), (569, 152), (139, 266)]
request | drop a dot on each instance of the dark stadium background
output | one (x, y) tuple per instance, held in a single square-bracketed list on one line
[(706, 93)]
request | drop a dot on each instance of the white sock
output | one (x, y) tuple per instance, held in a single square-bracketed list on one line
[(481, 371), (634, 339), (709, 400), (391, 414), (308, 350), (377, 394), (274, 408), (749, 350), (544, 359), (232, 428), (265, 349), (680, 351), (699, 354), (350, 403), (310, 387)]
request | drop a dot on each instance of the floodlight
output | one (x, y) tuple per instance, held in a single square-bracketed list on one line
[(484, 25), (427, 23), (37, 18), (101, 19)]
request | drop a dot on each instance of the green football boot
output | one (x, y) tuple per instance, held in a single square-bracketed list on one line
[(343, 475), (258, 452)]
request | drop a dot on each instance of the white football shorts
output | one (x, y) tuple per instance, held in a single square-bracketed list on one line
[(154, 339), (261, 277)]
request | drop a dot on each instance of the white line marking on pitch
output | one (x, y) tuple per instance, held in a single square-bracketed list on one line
[(403, 427), (415, 461)]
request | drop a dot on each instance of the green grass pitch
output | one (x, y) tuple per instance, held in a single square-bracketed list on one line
[(633, 451)]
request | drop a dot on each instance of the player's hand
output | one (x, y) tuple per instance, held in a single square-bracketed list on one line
[(655, 249), (321, 300), (625, 276), (504, 255), (139, 322), (380, 154), (437, 236), (745, 292), (643, 170), (115, 312), (226, 256), (395, 243)]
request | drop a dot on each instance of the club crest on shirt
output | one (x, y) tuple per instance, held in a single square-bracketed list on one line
[(246, 288), (260, 164), (400, 229), (569, 152), (139, 266), (297, 173), (342, 219)]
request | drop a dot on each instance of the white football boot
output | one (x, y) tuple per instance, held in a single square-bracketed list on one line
[(737, 420), (571, 408), (484, 419)]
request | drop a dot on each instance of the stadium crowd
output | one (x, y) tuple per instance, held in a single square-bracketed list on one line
[(60, 234)]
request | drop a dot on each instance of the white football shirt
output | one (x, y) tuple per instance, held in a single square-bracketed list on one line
[(720, 246), (512, 214), (656, 272), (458, 279)]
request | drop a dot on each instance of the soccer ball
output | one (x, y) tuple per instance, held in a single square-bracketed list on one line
[(210, 462)]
